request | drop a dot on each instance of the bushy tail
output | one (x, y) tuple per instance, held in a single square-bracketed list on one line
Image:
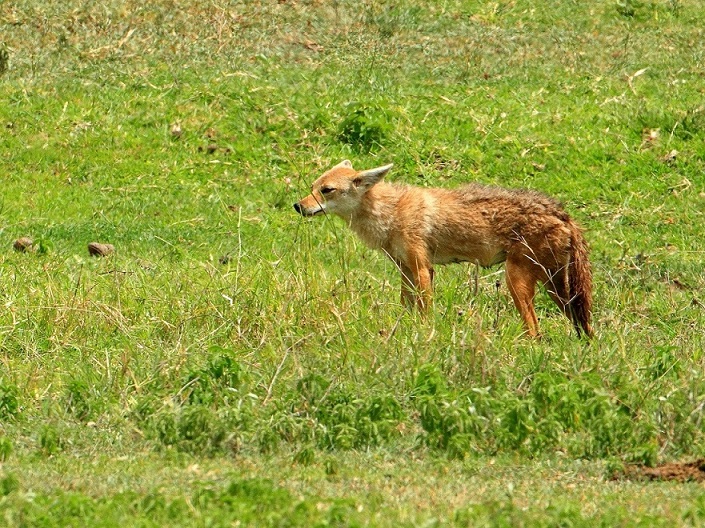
[(580, 282)]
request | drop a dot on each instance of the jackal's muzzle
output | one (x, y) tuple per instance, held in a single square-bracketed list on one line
[(309, 211)]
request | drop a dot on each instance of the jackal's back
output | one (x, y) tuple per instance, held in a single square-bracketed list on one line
[(478, 222)]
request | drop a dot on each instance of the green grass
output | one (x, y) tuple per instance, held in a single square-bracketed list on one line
[(232, 362)]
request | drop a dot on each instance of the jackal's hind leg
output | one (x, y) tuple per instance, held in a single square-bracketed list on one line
[(556, 285), (558, 289), (521, 281)]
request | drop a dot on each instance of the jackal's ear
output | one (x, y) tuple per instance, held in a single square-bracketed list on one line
[(368, 178), (345, 164)]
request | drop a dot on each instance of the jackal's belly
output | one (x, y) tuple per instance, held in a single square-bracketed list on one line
[(485, 256)]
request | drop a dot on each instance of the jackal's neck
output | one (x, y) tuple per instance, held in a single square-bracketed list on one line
[(372, 220)]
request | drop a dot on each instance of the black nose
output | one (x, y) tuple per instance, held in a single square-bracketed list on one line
[(297, 207)]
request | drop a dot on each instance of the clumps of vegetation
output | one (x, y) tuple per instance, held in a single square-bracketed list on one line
[(582, 415), (636, 9), (344, 418), (245, 499), (215, 412), (506, 513), (451, 421), (686, 125), (82, 399), (579, 414), (196, 429), (217, 382), (205, 414), (332, 418), (248, 502), (365, 126)]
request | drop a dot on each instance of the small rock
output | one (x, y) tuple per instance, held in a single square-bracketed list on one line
[(210, 149), (23, 244), (176, 130), (96, 249)]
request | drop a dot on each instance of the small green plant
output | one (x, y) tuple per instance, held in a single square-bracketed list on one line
[(5, 448), (79, 399), (429, 381), (665, 362), (8, 483), (614, 468), (312, 387), (267, 440), (331, 466), (9, 402), (50, 440), (44, 246), (4, 59), (194, 428), (644, 453), (200, 430), (365, 126), (628, 8), (305, 456), (448, 424), (675, 7), (262, 492), (217, 382)]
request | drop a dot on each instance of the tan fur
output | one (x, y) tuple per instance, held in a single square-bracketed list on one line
[(419, 228)]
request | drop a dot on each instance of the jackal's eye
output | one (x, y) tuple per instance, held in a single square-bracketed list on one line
[(327, 190)]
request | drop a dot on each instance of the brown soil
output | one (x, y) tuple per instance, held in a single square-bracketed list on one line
[(678, 471)]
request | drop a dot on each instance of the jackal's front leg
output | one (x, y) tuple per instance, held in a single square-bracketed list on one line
[(416, 286), (408, 291)]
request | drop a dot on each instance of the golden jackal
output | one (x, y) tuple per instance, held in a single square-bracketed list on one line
[(418, 228)]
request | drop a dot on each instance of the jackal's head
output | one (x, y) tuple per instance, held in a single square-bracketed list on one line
[(340, 190)]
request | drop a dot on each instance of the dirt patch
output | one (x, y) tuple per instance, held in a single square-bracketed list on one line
[(678, 471)]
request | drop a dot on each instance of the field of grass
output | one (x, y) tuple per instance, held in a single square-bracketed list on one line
[(234, 364)]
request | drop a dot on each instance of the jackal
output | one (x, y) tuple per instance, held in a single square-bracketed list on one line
[(419, 228)]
